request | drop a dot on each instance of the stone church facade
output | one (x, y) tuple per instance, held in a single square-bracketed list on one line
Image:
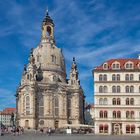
[(45, 98)]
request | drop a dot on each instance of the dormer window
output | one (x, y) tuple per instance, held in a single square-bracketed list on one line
[(105, 66), (138, 66), (129, 65), (116, 65)]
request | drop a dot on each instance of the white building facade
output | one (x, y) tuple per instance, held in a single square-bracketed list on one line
[(117, 97)]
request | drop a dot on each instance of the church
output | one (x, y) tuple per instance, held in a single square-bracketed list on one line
[(45, 98)]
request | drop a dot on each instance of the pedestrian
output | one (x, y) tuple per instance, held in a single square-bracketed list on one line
[(49, 131)]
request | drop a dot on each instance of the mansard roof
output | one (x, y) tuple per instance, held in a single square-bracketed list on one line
[(122, 62)]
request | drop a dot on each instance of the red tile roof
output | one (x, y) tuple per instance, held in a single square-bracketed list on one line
[(121, 61), (8, 110)]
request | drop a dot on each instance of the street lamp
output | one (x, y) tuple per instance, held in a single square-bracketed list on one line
[(12, 119)]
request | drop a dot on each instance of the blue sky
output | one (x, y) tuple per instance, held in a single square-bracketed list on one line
[(91, 30)]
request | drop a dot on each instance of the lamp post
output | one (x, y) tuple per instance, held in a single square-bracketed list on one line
[(12, 119)]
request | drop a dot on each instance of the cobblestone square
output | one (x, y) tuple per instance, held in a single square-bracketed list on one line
[(39, 136)]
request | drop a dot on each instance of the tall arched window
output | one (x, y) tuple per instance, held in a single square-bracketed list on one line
[(105, 89), (118, 89), (105, 101), (27, 105), (53, 58), (105, 114), (132, 129), (127, 77), (100, 77), (127, 89), (41, 105), (69, 107), (113, 77), (131, 77), (101, 128), (127, 101), (118, 101), (132, 114), (114, 101), (127, 114), (105, 77), (118, 77), (118, 114), (101, 89), (114, 114), (131, 89), (101, 114), (114, 89), (127, 128), (132, 101), (100, 101), (105, 128), (56, 106)]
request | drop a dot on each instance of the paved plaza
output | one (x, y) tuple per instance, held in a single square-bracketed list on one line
[(39, 136)]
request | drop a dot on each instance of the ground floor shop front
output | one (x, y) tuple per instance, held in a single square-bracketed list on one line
[(117, 128)]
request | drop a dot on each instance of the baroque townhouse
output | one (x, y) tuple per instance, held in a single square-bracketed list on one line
[(117, 97)]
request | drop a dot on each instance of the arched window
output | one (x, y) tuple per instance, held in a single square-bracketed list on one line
[(114, 114), (69, 107), (101, 114), (131, 89), (101, 89), (131, 77), (127, 114), (105, 101), (118, 114), (27, 105), (100, 77), (101, 128), (105, 89), (127, 101), (56, 106), (118, 77), (49, 31), (118, 101), (100, 101), (105, 66), (53, 58), (105, 128), (41, 105), (118, 89), (105, 77), (114, 89), (127, 128), (132, 114), (113, 77), (105, 114), (114, 101), (127, 89), (127, 77), (132, 101), (132, 129)]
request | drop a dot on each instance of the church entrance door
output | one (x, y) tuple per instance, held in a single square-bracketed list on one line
[(26, 123), (56, 124)]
